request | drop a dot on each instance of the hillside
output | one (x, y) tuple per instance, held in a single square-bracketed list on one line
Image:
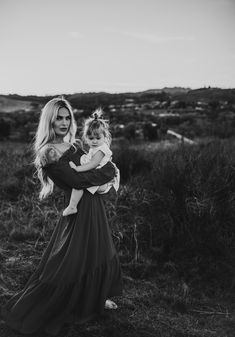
[(10, 103), (208, 95), (176, 245)]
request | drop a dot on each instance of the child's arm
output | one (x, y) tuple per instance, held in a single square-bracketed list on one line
[(95, 161)]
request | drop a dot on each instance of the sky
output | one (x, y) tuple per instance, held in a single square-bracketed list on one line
[(51, 47)]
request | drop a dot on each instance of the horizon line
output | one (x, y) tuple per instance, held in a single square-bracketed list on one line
[(116, 92)]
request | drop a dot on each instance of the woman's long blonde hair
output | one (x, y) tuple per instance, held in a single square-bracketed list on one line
[(45, 135)]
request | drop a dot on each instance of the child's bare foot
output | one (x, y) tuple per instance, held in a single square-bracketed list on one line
[(69, 210), (110, 305)]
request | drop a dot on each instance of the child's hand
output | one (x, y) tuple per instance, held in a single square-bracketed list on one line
[(72, 165)]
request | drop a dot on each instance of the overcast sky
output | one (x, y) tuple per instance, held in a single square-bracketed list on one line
[(68, 46)]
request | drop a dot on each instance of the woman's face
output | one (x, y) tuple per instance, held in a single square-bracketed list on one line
[(62, 123)]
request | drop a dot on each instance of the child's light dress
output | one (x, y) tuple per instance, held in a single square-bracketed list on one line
[(86, 158)]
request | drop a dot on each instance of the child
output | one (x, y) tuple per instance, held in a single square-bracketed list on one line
[(97, 136)]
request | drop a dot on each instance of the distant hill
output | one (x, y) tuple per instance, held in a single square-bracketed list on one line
[(11, 103), (208, 95), (176, 90), (170, 91)]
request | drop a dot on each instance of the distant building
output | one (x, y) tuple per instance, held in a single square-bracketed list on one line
[(129, 100), (202, 104), (164, 104), (168, 114), (174, 104)]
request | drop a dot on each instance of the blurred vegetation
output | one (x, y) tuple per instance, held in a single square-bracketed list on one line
[(205, 112), (172, 222), (182, 212), (172, 219), (175, 208)]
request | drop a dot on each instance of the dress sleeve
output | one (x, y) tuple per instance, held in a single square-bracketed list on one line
[(66, 178)]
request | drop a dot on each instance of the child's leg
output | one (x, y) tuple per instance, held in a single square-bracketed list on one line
[(102, 188), (74, 200)]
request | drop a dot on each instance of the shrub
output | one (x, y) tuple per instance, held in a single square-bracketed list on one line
[(5, 128), (182, 210), (150, 131), (175, 207), (130, 131)]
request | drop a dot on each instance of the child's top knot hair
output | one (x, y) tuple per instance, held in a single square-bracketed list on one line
[(97, 114), (96, 125)]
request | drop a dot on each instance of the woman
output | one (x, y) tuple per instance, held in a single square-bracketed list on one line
[(79, 270)]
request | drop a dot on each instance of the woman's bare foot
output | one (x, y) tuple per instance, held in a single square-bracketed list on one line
[(110, 305), (69, 210)]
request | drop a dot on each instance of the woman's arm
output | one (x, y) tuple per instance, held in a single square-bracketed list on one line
[(95, 161), (65, 177)]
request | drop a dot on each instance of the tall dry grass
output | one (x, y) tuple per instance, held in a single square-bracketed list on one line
[(176, 208), (174, 211)]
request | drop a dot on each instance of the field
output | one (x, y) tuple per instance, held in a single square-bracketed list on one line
[(9, 105), (173, 225)]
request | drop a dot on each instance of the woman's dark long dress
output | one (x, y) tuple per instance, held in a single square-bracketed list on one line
[(79, 269)]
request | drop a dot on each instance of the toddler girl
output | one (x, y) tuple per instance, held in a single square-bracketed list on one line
[(97, 136)]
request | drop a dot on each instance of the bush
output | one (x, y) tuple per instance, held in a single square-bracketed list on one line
[(175, 207), (130, 131), (131, 163), (5, 128), (150, 131), (182, 211)]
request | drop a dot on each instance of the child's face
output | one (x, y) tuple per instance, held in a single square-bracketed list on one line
[(95, 140)]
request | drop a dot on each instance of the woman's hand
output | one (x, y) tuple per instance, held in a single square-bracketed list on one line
[(73, 166)]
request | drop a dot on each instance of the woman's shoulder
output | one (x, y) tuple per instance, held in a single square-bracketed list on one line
[(51, 152), (48, 154)]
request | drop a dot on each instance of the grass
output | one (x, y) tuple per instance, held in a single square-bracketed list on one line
[(160, 305), (177, 206), (157, 306), (172, 222)]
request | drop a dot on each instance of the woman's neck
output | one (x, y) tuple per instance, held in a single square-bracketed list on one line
[(58, 141), (61, 146)]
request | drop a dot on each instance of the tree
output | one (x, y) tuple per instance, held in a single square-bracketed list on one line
[(130, 131), (5, 128), (150, 131)]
